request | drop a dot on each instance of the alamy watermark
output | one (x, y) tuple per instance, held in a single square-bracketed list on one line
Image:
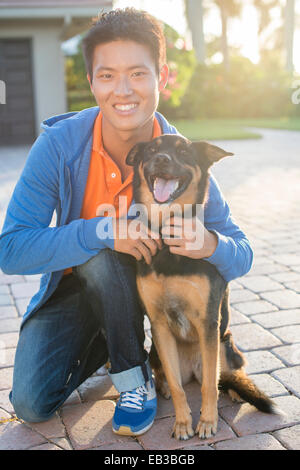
[(2, 92), (138, 222), (296, 93)]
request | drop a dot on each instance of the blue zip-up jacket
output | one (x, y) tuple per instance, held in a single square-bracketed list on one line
[(54, 179)]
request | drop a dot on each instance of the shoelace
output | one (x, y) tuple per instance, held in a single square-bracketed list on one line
[(133, 399)]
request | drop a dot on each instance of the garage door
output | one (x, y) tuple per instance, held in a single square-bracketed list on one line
[(17, 124)]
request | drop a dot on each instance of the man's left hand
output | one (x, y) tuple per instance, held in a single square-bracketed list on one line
[(185, 241)]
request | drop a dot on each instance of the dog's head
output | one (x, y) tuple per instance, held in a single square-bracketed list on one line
[(171, 169)]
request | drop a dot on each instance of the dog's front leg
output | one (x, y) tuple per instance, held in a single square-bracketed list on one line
[(209, 344), (168, 353)]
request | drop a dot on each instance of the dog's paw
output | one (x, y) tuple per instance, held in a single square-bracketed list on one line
[(183, 431), (207, 429)]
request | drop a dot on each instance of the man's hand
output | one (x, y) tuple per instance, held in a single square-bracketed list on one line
[(145, 246), (185, 234)]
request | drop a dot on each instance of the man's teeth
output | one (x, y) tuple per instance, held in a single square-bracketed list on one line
[(125, 107)]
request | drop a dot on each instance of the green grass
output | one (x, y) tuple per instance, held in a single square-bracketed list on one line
[(227, 129)]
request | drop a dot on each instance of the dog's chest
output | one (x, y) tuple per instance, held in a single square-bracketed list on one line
[(178, 300)]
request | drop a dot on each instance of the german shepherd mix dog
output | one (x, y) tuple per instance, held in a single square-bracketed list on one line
[(186, 299)]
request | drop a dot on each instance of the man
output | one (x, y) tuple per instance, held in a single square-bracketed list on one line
[(87, 308)]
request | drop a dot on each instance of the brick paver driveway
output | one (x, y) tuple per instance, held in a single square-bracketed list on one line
[(261, 184)]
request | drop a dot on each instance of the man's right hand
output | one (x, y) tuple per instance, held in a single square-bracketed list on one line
[(145, 246)]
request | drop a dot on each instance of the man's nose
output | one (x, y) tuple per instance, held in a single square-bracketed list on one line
[(123, 87)]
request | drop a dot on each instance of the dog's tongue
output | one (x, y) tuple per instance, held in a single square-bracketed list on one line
[(163, 189)]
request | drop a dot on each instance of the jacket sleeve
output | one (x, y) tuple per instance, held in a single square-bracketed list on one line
[(27, 244), (233, 256)]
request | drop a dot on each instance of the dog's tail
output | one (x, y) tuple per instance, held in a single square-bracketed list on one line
[(239, 382)]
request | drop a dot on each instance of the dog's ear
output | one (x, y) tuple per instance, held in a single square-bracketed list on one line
[(136, 153), (210, 153)]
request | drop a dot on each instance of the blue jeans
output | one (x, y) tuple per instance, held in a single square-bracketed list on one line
[(94, 315)]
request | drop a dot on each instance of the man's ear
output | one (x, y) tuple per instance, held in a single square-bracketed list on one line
[(163, 77), (136, 153), (210, 153)]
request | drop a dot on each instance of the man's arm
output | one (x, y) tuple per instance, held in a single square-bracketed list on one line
[(27, 244), (233, 255)]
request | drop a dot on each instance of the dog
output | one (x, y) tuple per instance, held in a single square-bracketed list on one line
[(186, 299)]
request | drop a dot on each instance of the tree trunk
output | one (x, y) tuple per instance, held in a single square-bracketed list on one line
[(224, 19), (289, 34), (194, 14)]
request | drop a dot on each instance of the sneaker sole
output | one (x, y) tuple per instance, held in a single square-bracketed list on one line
[(127, 431)]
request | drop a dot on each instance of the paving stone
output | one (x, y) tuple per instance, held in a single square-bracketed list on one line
[(278, 318), (62, 443), (50, 429), (283, 298), (97, 388), (289, 354), (5, 403), (4, 289), (90, 424), (288, 259), (250, 336), (9, 340), (8, 325), (268, 385), (253, 307), (159, 435), (234, 285), (289, 437), (261, 361), (47, 446), (290, 378), (6, 376), (130, 445), (22, 305), (242, 295), (8, 311), (6, 299), (17, 436), (25, 289), (237, 318), (268, 268), (245, 419), (4, 416), (294, 285), (285, 277), (256, 442), (10, 279), (73, 399), (288, 334), (260, 283), (7, 357)]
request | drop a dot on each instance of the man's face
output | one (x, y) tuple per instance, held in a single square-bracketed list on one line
[(125, 84)]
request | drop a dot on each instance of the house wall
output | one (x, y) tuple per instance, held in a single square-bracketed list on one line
[(47, 63)]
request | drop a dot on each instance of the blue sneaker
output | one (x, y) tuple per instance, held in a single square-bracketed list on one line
[(135, 410)]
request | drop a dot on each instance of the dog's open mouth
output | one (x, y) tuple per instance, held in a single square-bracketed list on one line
[(166, 188)]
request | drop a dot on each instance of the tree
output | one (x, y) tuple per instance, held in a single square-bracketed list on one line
[(194, 16), (289, 27), (228, 9)]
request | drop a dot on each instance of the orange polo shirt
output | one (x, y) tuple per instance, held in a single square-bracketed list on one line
[(104, 182)]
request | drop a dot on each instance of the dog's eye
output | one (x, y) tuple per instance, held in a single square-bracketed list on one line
[(183, 151)]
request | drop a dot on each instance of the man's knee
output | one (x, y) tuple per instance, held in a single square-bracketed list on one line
[(31, 409), (94, 266)]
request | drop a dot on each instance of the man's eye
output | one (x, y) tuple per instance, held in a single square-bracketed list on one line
[(106, 76), (138, 74)]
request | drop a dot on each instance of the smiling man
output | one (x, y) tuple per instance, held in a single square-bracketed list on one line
[(87, 309)]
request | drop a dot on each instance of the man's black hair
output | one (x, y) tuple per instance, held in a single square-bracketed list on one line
[(125, 24)]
